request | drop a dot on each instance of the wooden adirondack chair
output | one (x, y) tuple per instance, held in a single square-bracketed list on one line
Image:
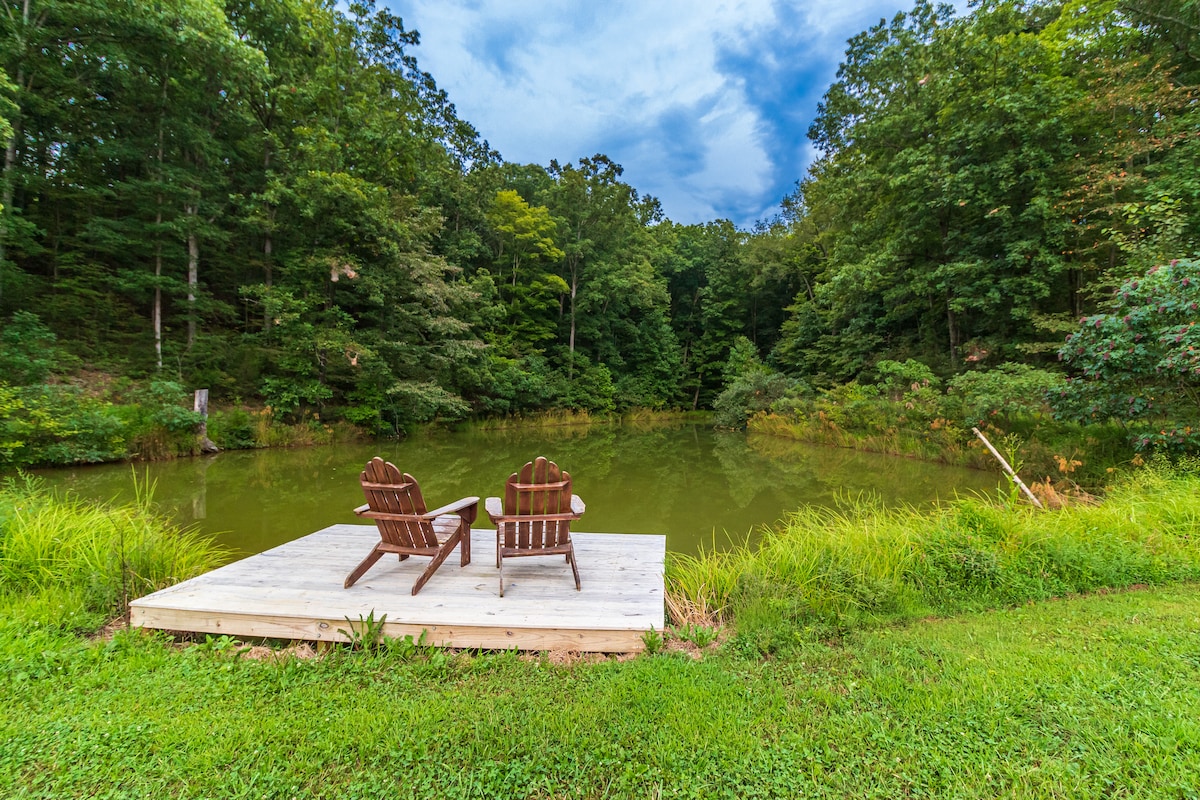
[(534, 518), (394, 501)]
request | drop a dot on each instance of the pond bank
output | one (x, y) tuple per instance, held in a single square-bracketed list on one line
[(1061, 456), (862, 565)]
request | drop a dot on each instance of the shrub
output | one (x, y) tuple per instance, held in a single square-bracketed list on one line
[(160, 422), (1141, 360), (907, 381), (750, 386), (233, 429), (1009, 391), (856, 405), (586, 387), (403, 405), (747, 395), (54, 424), (498, 385)]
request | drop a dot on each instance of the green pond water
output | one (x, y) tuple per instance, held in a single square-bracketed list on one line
[(699, 487)]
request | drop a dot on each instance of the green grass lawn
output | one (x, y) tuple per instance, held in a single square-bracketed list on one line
[(1087, 697)]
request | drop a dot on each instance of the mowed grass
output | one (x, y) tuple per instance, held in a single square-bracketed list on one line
[(1088, 697)]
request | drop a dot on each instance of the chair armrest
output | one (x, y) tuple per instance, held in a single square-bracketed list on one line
[(577, 506), (467, 508), (504, 519), (362, 509), (495, 508)]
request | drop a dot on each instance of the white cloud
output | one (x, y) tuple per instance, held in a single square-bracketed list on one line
[(541, 84), (640, 82)]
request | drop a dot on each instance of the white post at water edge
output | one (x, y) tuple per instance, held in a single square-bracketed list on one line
[(201, 407)]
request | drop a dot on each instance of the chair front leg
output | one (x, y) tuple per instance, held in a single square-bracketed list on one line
[(434, 563), (363, 566), (464, 547), (574, 569)]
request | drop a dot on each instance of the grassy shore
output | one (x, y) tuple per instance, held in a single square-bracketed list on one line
[(827, 571), (72, 563), (1039, 447)]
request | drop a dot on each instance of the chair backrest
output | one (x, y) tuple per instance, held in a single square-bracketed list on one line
[(541, 492), (396, 505)]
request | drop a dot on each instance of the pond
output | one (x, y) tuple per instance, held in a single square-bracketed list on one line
[(699, 487)]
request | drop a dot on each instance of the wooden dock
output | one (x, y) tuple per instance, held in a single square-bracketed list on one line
[(294, 591)]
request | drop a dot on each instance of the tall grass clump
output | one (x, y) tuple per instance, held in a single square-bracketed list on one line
[(63, 556), (829, 570), (700, 588), (648, 418), (552, 418)]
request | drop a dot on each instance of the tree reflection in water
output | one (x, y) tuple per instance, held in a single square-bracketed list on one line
[(698, 486)]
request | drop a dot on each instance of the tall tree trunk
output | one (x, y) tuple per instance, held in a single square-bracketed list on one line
[(268, 273), (54, 252), (1075, 281), (193, 274), (754, 321), (571, 342), (268, 244), (952, 326), (10, 161), (574, 291), (23, 83), (157, 313)]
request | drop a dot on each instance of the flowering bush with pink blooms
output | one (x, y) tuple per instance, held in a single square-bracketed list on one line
[(1140, 361)]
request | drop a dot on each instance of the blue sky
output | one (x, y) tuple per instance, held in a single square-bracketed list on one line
[(706, 104)]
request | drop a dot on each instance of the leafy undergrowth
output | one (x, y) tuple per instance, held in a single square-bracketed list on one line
[(1088, 697)]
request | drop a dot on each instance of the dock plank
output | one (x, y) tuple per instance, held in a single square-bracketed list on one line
[(295, 591)]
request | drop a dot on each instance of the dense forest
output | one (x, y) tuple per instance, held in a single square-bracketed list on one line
[(274, 201)]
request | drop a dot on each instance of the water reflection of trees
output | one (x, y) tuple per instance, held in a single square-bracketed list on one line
[(686, 481), (832, 473)]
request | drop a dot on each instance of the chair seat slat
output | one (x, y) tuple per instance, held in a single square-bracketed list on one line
[(510, 519)]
